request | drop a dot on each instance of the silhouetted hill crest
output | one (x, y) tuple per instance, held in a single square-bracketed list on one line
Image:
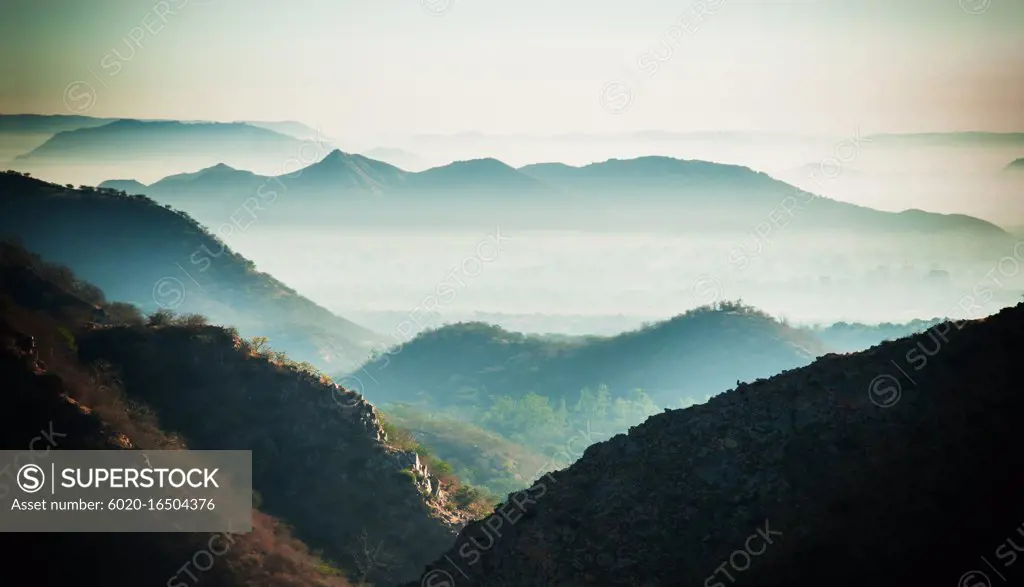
[(857, 482)]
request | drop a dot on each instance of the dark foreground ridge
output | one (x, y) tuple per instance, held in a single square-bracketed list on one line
[(324, 472), (899, 465)]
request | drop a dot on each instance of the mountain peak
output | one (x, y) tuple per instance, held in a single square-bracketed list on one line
[(336, 155)]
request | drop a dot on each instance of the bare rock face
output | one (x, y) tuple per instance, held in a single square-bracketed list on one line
[(895, 466)]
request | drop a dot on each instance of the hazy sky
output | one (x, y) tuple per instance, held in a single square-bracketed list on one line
[(357, 67)]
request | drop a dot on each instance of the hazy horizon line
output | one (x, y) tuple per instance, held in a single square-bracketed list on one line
[(545, 134)]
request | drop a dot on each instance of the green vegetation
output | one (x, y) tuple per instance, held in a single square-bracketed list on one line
[(477, 501), (68, 338), (506, 443), (503, 407), (691, 355)]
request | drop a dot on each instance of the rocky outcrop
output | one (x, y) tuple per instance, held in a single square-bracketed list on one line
[(898, 465)]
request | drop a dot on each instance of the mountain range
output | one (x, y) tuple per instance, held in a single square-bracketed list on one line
[(616, 194), (79, 149), (51, 124), (131, 140), (822, 457)]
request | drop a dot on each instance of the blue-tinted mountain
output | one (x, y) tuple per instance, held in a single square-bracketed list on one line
[(291, 128), (148, 150), (125, 140), (669, 360), (477, 175), (648, 193), (340, 171), (128, 186), (48, 124), (702, 195), (142, 253)]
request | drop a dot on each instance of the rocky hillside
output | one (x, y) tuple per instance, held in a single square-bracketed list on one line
[(140, 252), (322, 461), (51, 401), (321, 458), (898, 465)]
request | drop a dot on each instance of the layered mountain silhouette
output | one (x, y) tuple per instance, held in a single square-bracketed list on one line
[(154, 257), (102, 378), (47, 124), (344, 172), (482, 176), (707, 348), (844, 337), (51, 124), (162, 147), (670, 360), (648, 193), (125, 140), (897, 465), (290, 128)]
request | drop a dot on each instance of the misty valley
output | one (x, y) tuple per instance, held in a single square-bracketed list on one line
[(512, 294)]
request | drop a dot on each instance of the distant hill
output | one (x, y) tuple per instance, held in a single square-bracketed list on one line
[(845, 472), (700, 195), (343, 172), (54, 123), (21, 133), (475, 176), (290, 128), (143, 253), (127, 140), (642, 172), (146, 150), (843, 337), (680, 358), (1016, 165), (129, 186), (48, 124), (208, 180)]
